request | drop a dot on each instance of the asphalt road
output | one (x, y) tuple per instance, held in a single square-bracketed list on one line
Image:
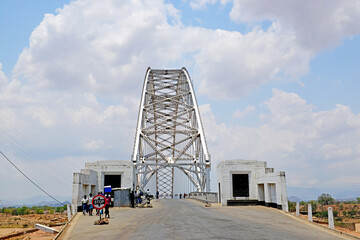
[(189, 219)]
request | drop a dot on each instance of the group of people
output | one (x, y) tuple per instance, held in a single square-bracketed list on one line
[(88, 207), (182, 195), (137, 197)]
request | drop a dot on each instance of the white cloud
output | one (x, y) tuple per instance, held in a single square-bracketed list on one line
[(93, 145), (201, 4), (241, 114), (89, 44), (317, 24), (232, 64), (311, 146), (3, 78)]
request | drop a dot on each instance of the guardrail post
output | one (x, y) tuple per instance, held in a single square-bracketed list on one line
[(68, 212), (331, 218), (73, 210), (310, 213), (297, 208)]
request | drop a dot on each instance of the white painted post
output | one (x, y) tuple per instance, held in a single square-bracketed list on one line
[(68, 212), (297, 208), (310, 213), (73, 211), (331, 218), (46, 228)]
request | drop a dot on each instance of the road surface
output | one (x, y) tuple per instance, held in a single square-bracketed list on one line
[(189, 219)]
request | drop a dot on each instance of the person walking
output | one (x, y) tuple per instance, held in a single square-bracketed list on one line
[(90, 206), (84, 202), (132, 197), (157, 194), (107, 206)]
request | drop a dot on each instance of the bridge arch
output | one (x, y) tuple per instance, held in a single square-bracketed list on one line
[(169, 133)]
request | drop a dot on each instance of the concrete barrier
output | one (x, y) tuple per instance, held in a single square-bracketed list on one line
[(211, 197)]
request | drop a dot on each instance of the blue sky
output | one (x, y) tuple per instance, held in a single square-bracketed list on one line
[(274, 83)]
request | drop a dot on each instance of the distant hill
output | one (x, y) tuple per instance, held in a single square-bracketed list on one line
[(347, 195), (304, 194), (35, 201), (294, 199), (307, 194)]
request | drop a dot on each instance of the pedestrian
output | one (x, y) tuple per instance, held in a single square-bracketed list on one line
[(136, 195), (84, 202), (157, 194), (97, 210), (132, 197), (180, 195), (90, 206), (107, 206), (148, 196), (140, 193)]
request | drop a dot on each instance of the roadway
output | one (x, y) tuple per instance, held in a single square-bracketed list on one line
[(190, 219)]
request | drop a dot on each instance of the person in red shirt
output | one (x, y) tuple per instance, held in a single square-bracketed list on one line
[(107, 206)]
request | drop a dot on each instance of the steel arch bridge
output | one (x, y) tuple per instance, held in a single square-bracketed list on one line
[(169, 133)]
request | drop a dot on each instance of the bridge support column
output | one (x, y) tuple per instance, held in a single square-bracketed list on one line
[(208, 179)]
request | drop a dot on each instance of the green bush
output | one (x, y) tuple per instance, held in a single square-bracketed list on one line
[(336, 213), (39, 211), (352, 212), (322, 214), (292, 206)]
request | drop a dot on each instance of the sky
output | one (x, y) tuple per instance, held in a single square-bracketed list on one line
[(276, 81)]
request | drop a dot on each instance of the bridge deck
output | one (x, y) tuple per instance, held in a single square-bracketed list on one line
[(189, 219)]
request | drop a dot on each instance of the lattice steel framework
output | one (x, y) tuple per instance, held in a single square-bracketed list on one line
[(169, 133)]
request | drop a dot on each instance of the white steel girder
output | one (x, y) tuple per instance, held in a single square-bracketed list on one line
[(169, 133)]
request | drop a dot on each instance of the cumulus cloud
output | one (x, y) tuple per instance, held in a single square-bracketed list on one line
[(97, 47), (241, 114), (89, 44), (316, 24), (298, 31), (312, 146), (3, 78), (232, 64), (200, 4)]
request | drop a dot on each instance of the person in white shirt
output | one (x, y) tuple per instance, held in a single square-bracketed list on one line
[(84, 202), (90, 206)]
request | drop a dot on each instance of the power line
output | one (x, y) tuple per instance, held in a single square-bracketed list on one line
[(29, 178)]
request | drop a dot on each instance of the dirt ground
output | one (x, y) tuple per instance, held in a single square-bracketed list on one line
[(12, 224)]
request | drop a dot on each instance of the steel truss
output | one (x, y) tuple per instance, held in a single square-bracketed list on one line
[(169, 133)]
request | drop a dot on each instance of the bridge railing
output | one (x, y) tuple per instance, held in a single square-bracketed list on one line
[(210, 197)]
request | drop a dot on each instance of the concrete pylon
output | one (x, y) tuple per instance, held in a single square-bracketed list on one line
[(310, 213), (297, 208), (331, 218), (73, 210), (68, 212)]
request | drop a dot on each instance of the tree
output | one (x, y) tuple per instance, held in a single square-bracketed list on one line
[(325, 199)]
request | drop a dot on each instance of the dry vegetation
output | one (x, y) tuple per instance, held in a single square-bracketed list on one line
[(346, 214), (10, 224)]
